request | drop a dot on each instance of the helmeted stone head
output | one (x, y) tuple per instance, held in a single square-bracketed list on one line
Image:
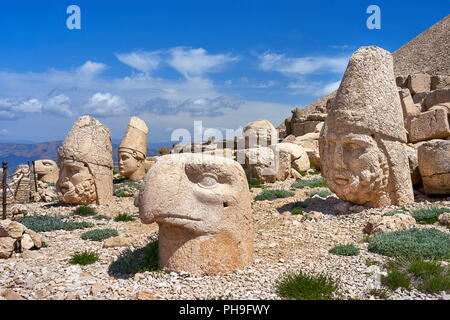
[(85, 161), (362, 144), (202, 205), (133, 150)]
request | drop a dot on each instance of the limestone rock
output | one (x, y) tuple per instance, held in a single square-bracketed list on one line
[(434, 166), (362, 144), (117, 242), (437, 97), (444, 219), (413, 161), (299, 157), (144, 295), (6, 247), (202, 205), (419, 83), (10, 294), (440, 82), (11, 229), (26, 242), (383, 224), (264, 164), (260, 133), (85, 161), (408, 105), (132, 150), (46, 170), (428, 125)]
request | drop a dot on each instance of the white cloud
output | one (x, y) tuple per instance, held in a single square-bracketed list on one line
[(28, 106), (143, 61), (91, 68), (301, 66), (265, 85), (328, 88), (105, 104), (4, 131), (196, 62), (58, 105), (304, 86)]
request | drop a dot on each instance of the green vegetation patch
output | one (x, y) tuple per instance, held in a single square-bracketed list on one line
[(297, 211), (428, 216), (48, 223), (140, 260), (124, 217), (321, 193), (312, 183), (101, 217), (99, 234), (273, 194), (302, 286), (85, 211), (425, 243), (254, 183), (396, 279), (345, 250), (84, 258)]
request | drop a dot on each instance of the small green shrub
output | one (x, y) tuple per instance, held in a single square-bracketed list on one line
[(101, 217), (321, 193), (302, 173), (85, 211), (297, 211), (345, 250), (300, 204), (123, 193), (425, 269), (302, 286), (254, 183), (273, 194), (428, 216), (425, 243), (401, 210), (140, 260), (84, 258), (49, 223), (380, 293), (124, 217), (313, 183), (99, 234), (396, 279), (436, 284)]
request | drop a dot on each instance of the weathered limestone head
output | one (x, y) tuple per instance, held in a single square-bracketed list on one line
[(85, 162), (260, 133), (133, 150), (46, 170), (362, 144), (202, 205)]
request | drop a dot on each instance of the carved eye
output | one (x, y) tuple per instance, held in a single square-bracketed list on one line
[(207, 181)]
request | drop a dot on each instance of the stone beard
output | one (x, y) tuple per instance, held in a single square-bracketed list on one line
[(76, 184), (357, 168)]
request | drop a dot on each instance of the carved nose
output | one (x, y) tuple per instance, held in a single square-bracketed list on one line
[(339, 157)]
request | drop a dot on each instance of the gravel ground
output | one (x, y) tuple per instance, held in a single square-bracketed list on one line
[(284, 242)]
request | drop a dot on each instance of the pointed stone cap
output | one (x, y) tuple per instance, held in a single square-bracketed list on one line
[(88, 141), (135, 139), (368, 97)]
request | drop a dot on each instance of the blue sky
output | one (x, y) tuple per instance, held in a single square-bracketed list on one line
[(172, 62)]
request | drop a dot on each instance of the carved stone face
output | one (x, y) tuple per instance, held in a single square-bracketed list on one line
[(353, 164), (76, 184), (203, 208), (128, 164)]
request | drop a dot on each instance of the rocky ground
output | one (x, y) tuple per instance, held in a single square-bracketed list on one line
[(283, 242)]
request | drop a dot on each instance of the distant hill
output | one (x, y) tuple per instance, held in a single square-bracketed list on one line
[(19, 153)]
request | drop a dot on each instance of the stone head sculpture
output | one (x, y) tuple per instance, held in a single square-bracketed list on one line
[(202, 205), (362, 144), (260, 133), (133, 150), (46, 170), (85, 162)]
